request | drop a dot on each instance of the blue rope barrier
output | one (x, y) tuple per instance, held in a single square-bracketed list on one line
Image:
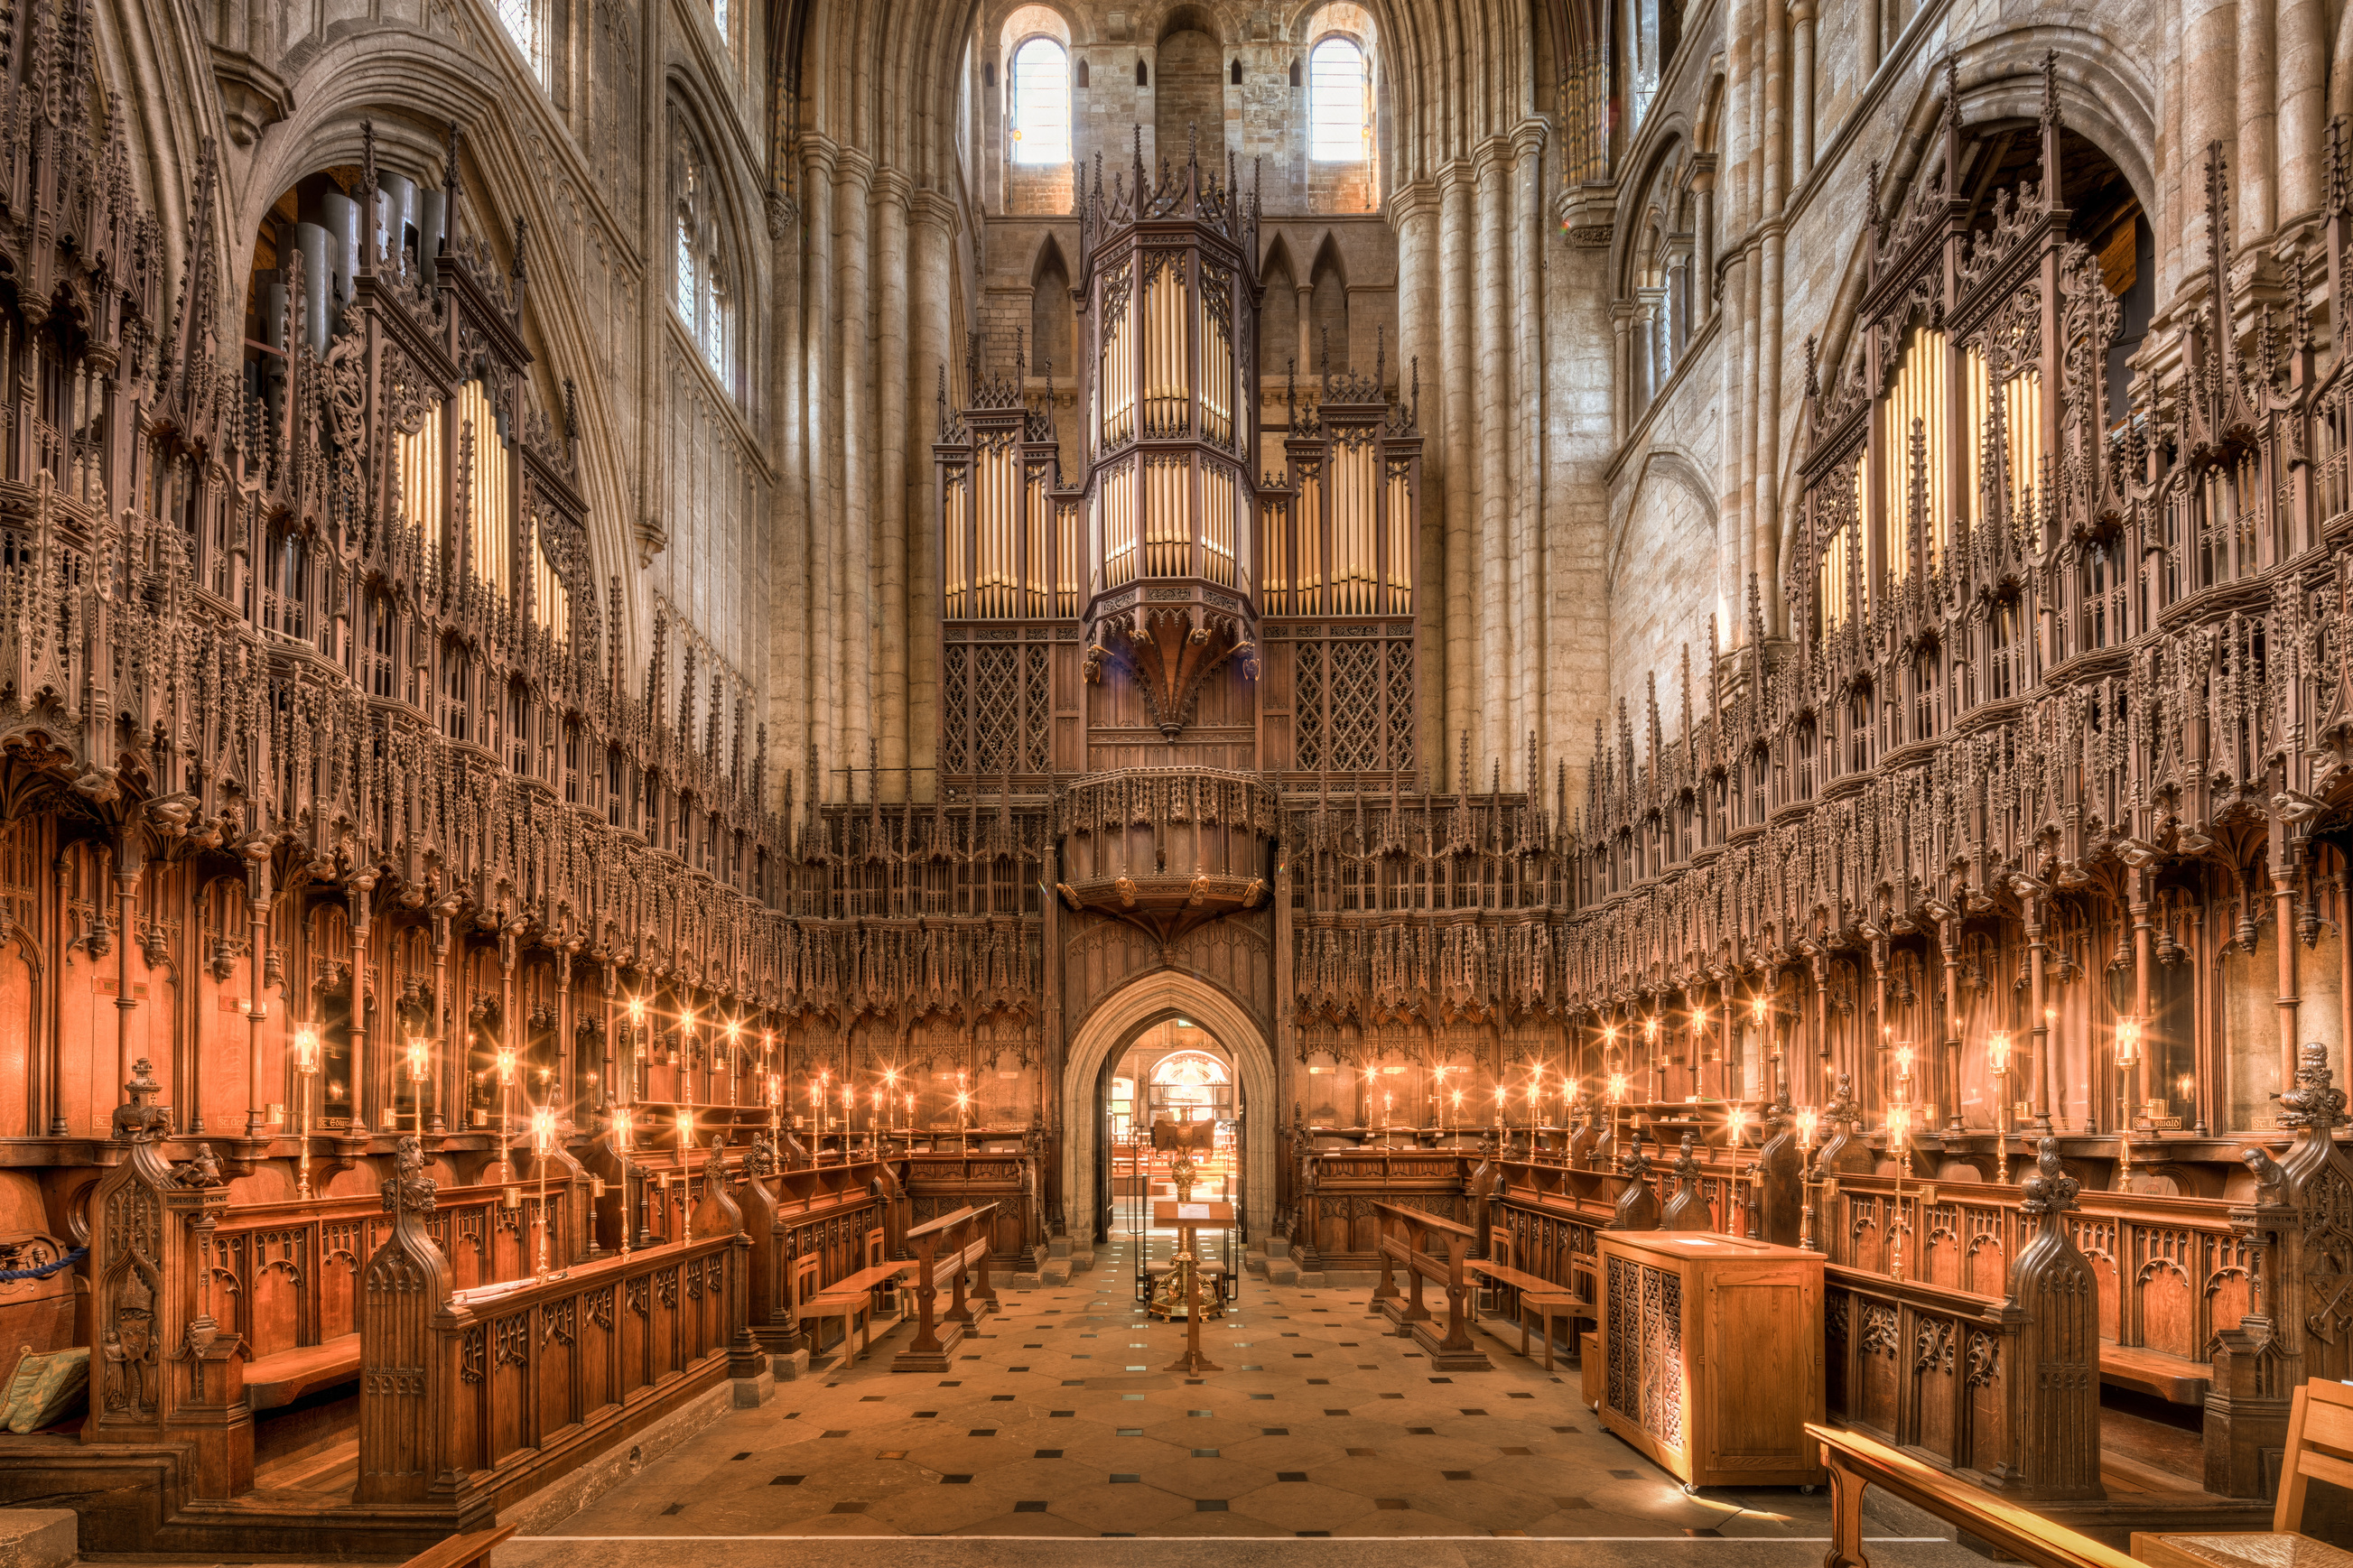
[(10, 1276)]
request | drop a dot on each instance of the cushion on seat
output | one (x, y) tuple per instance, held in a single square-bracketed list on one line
[(45, 1388)]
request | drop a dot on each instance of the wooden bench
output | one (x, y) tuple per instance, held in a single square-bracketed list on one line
[(2169, 1377), (1405, 1235), (851, 1299), (952, 1248), (287, 1375), (1549, 1302), (2319, 1446)]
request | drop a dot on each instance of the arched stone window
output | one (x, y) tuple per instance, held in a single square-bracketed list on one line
[(701, 290), (1039, 104), (1339, 112)]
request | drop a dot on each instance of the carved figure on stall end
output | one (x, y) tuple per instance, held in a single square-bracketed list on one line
[(2271, 1178), (2314, 1101), (760, 1158), (410, 1191), (142, 1119), (128, 1350), (1687, 1210), (201, 1173), (790, 1154), (2051, 1189), (715, 1167)]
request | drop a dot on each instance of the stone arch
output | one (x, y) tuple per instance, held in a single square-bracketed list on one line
[(1108, 1030), (1327, 283), (1052, 323)]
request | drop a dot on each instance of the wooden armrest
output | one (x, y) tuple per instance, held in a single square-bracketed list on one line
[(461, 1550)]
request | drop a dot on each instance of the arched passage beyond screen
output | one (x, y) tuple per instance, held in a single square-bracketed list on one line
[(1107, 1032)]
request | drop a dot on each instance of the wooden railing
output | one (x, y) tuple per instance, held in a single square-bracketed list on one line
[(1856, 1462), (286, 1274), (470, 1400)]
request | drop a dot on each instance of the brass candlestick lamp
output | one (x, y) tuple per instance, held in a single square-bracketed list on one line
[(505, 1059), (1899, 1132), (419, 1055), (624, 1135), (1736, 1122), (306, 1068), (543, 1145), (1998, 1064), (1809, 1123), (2128, 1036)]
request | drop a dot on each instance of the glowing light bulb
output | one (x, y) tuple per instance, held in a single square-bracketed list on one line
[(1998, 1053), (420, 1058), (506, 1058), (306, 1049)]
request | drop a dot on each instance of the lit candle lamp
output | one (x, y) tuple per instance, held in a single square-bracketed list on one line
[(1998, 1064), (306, 1068), (420, 1064)]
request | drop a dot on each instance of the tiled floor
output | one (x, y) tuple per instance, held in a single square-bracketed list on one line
[(1057, 1420)]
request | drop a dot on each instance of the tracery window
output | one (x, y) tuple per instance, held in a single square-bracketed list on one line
[(699, 290), (1339, 117), (526, 23), (1041, 106)]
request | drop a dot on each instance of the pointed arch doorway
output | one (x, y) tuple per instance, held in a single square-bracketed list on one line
[(1100, 1041)]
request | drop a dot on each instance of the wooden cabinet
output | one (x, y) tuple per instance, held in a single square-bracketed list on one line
[(1712, 1354)]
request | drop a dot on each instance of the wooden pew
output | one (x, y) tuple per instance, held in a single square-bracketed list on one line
[(1548, 1300), (1404, 1239), (949, 1248), (852, 1301)]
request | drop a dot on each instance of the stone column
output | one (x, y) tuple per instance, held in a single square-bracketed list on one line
[(821, 436), (1626, 405), (1702, 303), (854, 625), (1801, 91), (2302, 49), (1529, 624), (1642, 377), (2210, 35), (1455, 218), (2254, 191), (1414, 212), (931, 231), (891, 397), (1305, 294), (1492, 543)]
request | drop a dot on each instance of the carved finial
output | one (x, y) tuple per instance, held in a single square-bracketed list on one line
[(2314, 1101), (1380, 358), (2217, 225), (1324, 336), (522, 234), (571, 410), (450, 193), (2051, 120), (1463, 766), (714, 1168), (2051, 1189), (410, 1191), (1953, 105), (1813, 380), (2333, 175), (1417, 392)]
